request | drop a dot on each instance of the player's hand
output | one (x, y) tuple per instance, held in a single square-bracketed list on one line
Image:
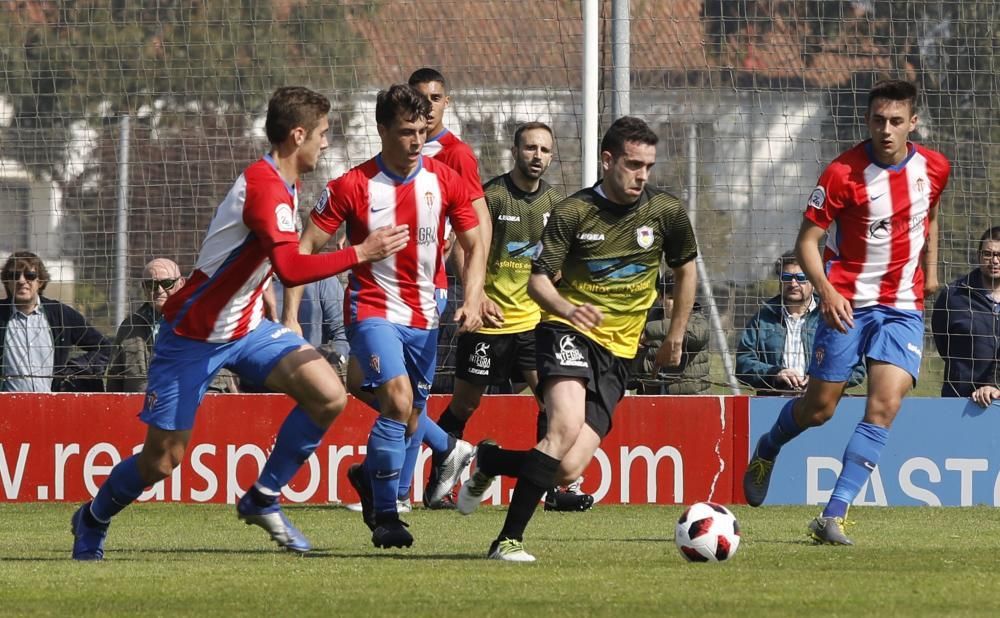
[(669, 355), (585, 316), (837, 311), (985, 395), (931, 284), (491, 313), (469, 317), (383, 242), (792, 379)]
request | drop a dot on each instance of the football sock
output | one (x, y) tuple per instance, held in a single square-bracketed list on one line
[(784, 429), (386, 450), (860, 458), (538, 474), (122, 487), (433, 436), (449, 423), (495, 461), (411, 452), (297, 440)]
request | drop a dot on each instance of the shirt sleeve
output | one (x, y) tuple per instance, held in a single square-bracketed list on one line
[(680, 246), (557, 238), (332, 206), (459, 207), (269, 214), (464, 161), (830, 196)]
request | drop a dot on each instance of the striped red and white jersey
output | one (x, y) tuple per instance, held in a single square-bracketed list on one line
[(447, 148), (399, 288), (222, 299), (876, 217)]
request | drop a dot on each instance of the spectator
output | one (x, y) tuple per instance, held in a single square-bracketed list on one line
[(690, 377), (129, 366), (774, 349), (321, 316), (38, 333), (966, 324)]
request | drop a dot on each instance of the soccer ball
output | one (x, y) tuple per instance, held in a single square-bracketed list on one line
[(707, 532)]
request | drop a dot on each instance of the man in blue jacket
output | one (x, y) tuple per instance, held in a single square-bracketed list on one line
[(966, 324), (774, 349), (38, 333)]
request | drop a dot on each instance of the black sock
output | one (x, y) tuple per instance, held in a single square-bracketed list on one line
[(496, 461), (259, 498), (451, 424), (541, 425), (537, 475)]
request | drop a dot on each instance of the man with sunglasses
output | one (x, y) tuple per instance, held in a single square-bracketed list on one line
[(777, 342), (966, 326), (129, 366), (38, 333)]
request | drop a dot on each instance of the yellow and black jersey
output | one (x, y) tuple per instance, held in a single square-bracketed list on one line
[(518, 219), (609, 256)]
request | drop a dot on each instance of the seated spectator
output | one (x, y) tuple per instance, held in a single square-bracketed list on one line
[(37, 335), (321, 316), (966, 324), (691, 376), (776, 344), (129, 366)]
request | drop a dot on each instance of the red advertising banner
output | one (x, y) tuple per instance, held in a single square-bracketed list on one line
[(61, 447)]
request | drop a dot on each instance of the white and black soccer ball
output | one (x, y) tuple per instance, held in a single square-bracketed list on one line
[(707, 532)]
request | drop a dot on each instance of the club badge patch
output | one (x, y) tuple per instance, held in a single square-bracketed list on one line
[(644, 236), (817, 198), (285, 217)]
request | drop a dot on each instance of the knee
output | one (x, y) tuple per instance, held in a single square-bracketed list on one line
[(465, 407), (818, 411), (331, 408), (882, 408), (156, 467)]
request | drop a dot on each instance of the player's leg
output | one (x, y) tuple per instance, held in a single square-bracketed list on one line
[(355, 378), (894, 352), (479, 359), (834, 355), (284, 362), (179, 375)]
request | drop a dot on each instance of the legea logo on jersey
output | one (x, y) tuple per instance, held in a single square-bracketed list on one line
[(285, 217), (569, 354)]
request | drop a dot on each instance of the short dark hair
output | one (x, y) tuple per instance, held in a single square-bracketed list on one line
[(531, 126), (400, 101), (784, 261), (426, 75), (291, 107), (991, 234), (894, 90), (627, 129), (21, 260)]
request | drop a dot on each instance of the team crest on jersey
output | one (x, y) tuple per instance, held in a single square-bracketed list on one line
[(817, 198), (429, 200), (644, 236), (375, 363), (324, 199), (920, 185), (285, 217)]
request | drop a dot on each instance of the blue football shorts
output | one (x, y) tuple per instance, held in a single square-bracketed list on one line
[(182, 369), (882, 333), (386, 351)]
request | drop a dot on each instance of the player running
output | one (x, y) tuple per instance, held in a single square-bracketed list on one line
[(217, 321), (608, 242), (392, 315), (877, 204)]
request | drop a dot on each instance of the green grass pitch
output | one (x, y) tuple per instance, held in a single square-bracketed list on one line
[(612, 561)]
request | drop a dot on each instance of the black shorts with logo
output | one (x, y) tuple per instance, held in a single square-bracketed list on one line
[(487, 359), (564, 352)]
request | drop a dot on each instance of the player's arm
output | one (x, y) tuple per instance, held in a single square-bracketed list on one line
[(930, 256), (685, 278), (312, 240), (492, 315), (835, 309), (469, 315)]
